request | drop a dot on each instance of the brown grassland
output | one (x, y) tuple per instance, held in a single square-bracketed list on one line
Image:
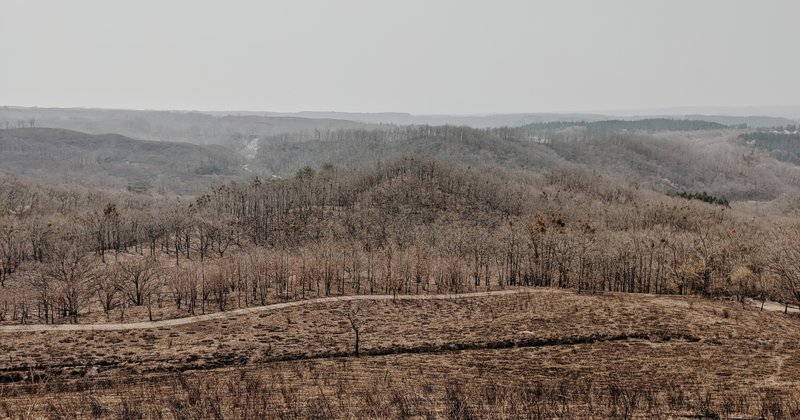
[(540, 353)]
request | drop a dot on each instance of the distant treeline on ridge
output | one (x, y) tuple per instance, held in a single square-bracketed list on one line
[(650, 124)]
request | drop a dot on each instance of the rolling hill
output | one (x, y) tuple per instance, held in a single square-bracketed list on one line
[(232, 131), (113, 160), (714, 161)]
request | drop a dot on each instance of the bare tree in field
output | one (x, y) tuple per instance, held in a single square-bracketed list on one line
[(355, 324)]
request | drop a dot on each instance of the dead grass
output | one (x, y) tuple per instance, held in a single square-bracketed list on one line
[(672, 356)]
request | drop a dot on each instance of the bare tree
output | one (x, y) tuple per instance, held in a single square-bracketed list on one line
[(11, 247), (785, 263), (139, 279), (355, 324), (64, 281), (107, 286)]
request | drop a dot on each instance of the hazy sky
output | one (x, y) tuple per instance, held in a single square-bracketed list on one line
[(423, 56)]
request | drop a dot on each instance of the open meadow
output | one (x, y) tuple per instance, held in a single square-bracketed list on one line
[(531, 353)]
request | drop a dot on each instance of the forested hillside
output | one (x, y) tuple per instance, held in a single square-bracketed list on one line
[(115, 161), (474, 121), (754, 121), (405, 226), (671, 156), (783, 143), (691, 161), (649, 124), (231, 131), (286, 153)]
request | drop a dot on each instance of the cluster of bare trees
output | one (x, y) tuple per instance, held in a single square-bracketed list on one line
[(65, 279), (407, 226), (20, 123)]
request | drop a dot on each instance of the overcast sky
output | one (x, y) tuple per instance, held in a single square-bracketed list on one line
[(424, 56)]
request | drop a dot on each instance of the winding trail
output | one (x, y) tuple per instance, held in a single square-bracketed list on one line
[(243, 311)]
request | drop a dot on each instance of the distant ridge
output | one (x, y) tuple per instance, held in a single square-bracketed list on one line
[(475, 121), (113, 160), (231, 131), (791, 112)]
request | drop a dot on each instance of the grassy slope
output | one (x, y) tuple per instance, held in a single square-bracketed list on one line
[(715, 356)]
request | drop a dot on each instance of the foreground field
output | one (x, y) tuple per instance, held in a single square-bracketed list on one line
[(243, 311), (539, 353)]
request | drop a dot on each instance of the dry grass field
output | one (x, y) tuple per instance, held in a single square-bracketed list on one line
[(540, 353)]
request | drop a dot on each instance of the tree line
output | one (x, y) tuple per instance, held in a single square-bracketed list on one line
[(406, 226), (703, 196), (663, 161), (783, 143), (647, 124)]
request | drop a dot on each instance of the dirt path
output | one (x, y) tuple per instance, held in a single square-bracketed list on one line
[(242, 311), (774, 306)]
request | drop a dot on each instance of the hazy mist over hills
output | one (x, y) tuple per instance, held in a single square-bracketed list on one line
[(115, 161), (198, 127), (791, 112)]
